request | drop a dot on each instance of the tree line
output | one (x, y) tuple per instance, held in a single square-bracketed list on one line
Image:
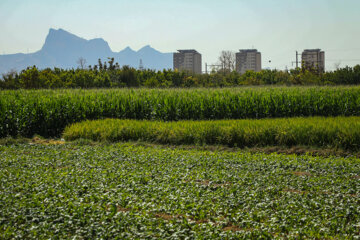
[(109, 74)]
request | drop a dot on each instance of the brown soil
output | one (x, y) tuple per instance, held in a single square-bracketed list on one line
[(202, 221), (232, 228), (37, 140), (298, 150), (121, 209), (304, 150), (164, 216), (302, 174), (204, 183)]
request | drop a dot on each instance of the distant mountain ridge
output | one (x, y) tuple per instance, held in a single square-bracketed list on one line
[(63, 49)]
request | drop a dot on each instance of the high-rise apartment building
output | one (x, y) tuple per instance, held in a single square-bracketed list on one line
[(188, 60), (248, 59), (313, 59)]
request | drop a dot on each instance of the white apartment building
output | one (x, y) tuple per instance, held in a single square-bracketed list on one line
[(248, 59), (313, 59), (188, 60)]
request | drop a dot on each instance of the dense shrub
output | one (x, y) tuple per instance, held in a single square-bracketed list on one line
[(113, 76)]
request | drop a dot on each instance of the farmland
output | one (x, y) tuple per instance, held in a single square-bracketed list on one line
[(338, 132), (78, 189), (48, 112), (126, 191)]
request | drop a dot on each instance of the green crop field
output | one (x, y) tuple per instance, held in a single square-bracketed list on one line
[(50, 189), (48, 112), (123, 191), (335, 132)]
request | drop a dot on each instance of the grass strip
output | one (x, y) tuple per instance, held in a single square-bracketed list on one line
[(336, 132)]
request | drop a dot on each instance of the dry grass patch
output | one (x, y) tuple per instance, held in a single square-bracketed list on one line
[(37, 140)]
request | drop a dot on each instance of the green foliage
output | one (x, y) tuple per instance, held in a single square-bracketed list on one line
[(127, 192), (108, 74), (339, 132), (48, 112), (10, 80), (29, 79)]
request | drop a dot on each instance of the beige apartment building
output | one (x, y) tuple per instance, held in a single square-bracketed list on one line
[(313, 59), (188, 60), (248, 59)]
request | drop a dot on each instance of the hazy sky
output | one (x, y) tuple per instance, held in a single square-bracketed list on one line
[(277, 28)]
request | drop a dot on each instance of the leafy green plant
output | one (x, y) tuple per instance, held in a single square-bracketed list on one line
[(130, 192)]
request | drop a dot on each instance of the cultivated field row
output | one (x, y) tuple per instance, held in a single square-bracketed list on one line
[(127, 192), (47, 112), (335, 132)]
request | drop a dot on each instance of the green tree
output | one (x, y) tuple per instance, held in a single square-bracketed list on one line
[(29, 78)]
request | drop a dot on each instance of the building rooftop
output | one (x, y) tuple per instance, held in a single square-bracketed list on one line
[(187, 51), (312, 50), (248, 50)]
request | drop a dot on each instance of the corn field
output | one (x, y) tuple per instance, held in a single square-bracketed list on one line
[(48, 112)]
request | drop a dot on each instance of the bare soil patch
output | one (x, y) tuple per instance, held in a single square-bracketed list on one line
[(233, 228), (302, 174)]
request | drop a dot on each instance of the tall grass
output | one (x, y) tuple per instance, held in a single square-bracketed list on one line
[(47, 112), (340, 132)]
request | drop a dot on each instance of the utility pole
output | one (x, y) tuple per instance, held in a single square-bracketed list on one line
[(212, 66), (297, 60), (141, 66)]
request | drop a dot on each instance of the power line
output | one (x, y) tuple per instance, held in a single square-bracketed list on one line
[(343, 60), (342, 50)]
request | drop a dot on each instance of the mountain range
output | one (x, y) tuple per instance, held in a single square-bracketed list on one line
[(63, 50)]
